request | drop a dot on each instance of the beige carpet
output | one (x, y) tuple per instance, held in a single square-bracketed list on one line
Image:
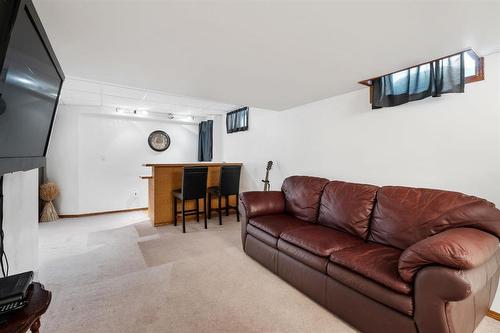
[(116, 273)]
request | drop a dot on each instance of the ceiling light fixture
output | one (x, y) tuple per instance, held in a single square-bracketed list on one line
[(169, 115)]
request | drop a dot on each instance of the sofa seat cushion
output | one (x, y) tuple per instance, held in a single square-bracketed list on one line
[(275, 225), (262, 236), (307, 258), (374, 290), (374, 261), (320, 240)]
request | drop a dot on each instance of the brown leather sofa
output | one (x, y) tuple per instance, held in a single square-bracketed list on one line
[(384, 259)]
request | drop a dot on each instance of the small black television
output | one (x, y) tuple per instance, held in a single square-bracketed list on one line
[(30, 85)]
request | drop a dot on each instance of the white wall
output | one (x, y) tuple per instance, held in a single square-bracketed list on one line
[(451, 142), (62, 158), (20, 222), (96, 157)]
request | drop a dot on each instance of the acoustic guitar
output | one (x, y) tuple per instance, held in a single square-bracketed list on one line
[(267, 185)]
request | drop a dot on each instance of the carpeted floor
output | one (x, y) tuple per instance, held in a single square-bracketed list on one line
[(116, 273)]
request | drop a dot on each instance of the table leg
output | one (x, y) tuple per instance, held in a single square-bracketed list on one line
[(35, 326)]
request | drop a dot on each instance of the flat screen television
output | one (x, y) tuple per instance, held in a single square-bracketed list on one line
[(30, 86)]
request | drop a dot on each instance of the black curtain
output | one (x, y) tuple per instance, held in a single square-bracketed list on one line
[(205, 141), (237, 120), (431, 79)]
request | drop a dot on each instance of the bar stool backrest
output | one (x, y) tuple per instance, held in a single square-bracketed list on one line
[(230, 179), (194, 183)]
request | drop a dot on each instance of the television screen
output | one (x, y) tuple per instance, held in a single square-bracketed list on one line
[(29, 87)]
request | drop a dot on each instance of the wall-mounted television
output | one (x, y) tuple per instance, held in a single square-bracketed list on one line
[(30, 85)]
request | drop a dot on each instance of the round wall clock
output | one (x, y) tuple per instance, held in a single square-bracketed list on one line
[(159, 141)]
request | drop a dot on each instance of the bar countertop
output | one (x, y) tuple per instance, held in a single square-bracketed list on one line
[(189, 164)]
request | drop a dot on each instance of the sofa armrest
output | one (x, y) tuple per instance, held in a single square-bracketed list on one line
[(254, 204), (454, 300), (460, 248), (453, 285)]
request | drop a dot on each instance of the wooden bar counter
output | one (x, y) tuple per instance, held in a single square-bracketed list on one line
[(168, 177)]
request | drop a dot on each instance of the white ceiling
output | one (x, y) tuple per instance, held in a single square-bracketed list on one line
[(273, 54)]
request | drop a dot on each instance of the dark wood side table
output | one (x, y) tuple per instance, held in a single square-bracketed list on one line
[(28, 318)]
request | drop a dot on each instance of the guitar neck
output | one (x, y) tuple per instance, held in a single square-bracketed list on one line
[(266, 180)]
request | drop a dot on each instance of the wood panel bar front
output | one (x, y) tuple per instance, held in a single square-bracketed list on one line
[(168, 177)]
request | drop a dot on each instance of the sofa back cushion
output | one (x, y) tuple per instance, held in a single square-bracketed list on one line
[(347, 207), (405, 215), (302, 196)]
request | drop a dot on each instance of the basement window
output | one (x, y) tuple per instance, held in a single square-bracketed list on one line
[(474, 67), (440, 76), (237, 120)]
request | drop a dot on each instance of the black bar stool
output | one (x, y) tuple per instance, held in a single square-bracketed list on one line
[(229, 184), (194, 187)]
